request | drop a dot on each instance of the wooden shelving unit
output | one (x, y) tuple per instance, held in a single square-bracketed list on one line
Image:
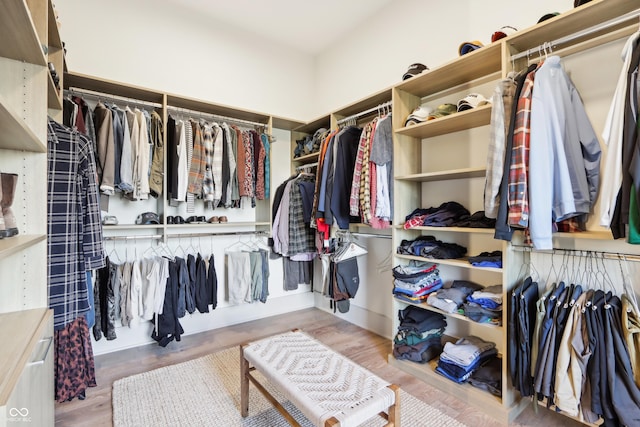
[(17, 244), (459, 262), (464, 173), (464, 120), (16, 133)]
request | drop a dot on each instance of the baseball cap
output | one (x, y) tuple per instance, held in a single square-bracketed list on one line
[(148, 218), (472, 100), (577, 3), (503, 32), (419, 115), (443, 110), (467, 47), (413, 70), (548, 16)]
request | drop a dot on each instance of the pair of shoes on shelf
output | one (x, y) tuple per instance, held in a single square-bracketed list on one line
[(196, 219), (217, 220), (8, 224), (109, 220), (175, 220)]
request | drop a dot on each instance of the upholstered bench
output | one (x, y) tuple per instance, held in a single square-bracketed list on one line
[(328, 388)]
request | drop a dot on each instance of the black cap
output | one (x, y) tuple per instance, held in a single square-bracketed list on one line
[(548, 16), (577, 3), (413, 70), (148, 218)]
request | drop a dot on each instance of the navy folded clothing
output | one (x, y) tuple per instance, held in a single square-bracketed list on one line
[(487, 259), (430, 247), (480, 314), (446, 214), (416, 319), (488, 377), (477, 220), (458, 371), (421, 352)]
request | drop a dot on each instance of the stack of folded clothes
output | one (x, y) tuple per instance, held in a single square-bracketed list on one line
[(430, 247), (488, 377), (419, 336), (477, 220), (451, 298), (415, 281), (443, 216), (487, 259), (459, 361), (485, 306)]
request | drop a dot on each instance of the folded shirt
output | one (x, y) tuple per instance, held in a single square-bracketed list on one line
[(487, 259), (488, 377), (477, 220), (493, 293), (443, 304), (480, 314), (458, 371), (465, 350), (417, 319), (421, 353), (413, 270), (412, 338)]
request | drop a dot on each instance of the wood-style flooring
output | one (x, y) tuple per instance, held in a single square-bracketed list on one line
[(364, 347)]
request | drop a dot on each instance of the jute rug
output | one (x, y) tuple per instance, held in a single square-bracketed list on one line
[(206, 392)]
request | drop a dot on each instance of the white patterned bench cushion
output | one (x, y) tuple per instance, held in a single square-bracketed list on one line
[(319, 381)]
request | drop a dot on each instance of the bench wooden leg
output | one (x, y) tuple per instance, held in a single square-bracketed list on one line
[(244, 384), (394, 410)]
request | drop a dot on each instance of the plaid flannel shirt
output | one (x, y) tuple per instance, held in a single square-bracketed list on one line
[(518, 197), (74, 231)]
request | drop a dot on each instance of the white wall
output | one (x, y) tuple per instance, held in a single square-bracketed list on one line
[(376, 54), (161, 46)]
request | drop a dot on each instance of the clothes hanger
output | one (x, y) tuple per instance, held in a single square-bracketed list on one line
[(627, 285), (350, 250), (239, 243)]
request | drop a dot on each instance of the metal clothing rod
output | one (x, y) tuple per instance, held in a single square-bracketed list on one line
[(307, 166), (378, 236), (606, 255), (99, 96), (579, 34), (180, 110), (365, 112), (152, 236), (230, 233)]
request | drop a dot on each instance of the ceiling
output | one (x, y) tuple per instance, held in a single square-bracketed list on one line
[(309, 26)]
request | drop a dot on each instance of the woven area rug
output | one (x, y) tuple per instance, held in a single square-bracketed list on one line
[(206, 392)]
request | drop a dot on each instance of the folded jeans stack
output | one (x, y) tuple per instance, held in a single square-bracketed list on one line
[(419, 337), (414, 282), (459, 361)]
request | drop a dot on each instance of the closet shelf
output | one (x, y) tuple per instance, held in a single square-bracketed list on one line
[(464, 173), (13, 245), (314, 125), (131, 227), (53, 95), (18, 34), (52, 28), (459, 262), (491, 404), (469, 230), (426, 306), (370, 101), (18, 347), (464, 120), (573, 21), (307, 158), (207, 227), (479, 63), (16, 135)]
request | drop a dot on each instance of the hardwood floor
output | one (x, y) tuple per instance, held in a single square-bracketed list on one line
[(363, 347)]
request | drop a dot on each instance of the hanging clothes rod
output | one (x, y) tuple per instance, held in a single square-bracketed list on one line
[(563, 40), (578, 252), (152, 236), (230, 233), (373, 235), (180, 110), (366, 112), (307, 166), (99, 96)]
